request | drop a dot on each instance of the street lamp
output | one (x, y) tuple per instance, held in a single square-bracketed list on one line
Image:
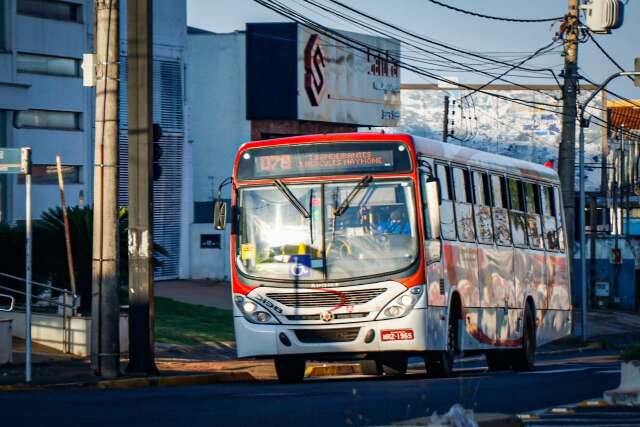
[(583, 260)]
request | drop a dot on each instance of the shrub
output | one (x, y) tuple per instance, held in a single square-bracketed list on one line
[(50, 253), (632, 353)]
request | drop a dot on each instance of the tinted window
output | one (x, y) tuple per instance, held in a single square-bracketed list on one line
[(516, 198), (560, 226), (43, 64), (442, 173), (50, 9), (482, 210), (461, 185), (499, 190), (481, 189), (47, 119)]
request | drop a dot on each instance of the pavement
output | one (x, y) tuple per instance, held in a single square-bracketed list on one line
[(346, 400)]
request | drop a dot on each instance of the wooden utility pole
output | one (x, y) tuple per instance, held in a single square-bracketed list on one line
[(567, 149), (105, 309), (140, 87)]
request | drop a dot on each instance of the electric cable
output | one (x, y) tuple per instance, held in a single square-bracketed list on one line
[(495, 18)]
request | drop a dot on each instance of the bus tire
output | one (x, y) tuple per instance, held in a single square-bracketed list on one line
[(371, 367), (395, 364), (290, 369), (498, 360), (524, 357), (439, 364)]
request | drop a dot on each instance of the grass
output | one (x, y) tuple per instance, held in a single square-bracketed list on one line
[(632, 353), (180, 323)]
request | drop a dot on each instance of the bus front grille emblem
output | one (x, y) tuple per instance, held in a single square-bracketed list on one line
[(327, 316)]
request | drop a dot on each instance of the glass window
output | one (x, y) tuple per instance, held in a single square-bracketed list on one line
[(482, 209), (447, 219), (461, 185), (442, 173), (548, 205), (48, 174), (43, 64), (499, 189), (3, 25), (374, 234), (481, 188), (50, 9), (532, 198), (515, 195), (499, 211), (560, 226), (47, 119)]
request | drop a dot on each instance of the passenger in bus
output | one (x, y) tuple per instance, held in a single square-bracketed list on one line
[(396, 223)]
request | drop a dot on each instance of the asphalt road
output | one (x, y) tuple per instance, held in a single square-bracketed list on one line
[(355, 401)]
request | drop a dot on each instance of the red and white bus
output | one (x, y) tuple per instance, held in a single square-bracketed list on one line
[(379, 247)]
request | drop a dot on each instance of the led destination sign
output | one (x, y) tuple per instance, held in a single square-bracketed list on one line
[(324, 159), (279, 164)]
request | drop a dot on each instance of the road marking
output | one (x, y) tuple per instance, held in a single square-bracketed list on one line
[(610, 371), (555, 371)]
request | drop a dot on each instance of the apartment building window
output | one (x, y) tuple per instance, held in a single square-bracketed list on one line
[(48, 174), (43, 64), (47, 119), (51, 9), (3, 25)]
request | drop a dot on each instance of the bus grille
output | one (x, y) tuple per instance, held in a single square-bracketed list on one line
[(326, 299), (315, 336), (339, 316)]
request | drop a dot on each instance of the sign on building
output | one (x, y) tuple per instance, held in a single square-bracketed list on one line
[(294, 73)]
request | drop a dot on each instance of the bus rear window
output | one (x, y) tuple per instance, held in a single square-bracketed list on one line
[(324, 159)]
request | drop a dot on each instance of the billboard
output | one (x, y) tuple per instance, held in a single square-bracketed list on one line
[(294, 73)]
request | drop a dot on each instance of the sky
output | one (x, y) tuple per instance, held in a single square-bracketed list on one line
[(453, 28)]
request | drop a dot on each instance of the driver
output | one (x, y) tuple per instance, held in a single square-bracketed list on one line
[(396, 223)]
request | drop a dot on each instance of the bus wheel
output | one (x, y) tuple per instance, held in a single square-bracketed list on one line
[(290, 369), (395, 364), (371, 367), (498, 360), (524, 358), (440, 363)]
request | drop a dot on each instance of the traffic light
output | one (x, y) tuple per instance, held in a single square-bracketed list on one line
[(157, 152)]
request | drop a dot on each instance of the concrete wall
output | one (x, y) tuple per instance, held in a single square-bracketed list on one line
[(621, 277), (47, 330), (217, 127)]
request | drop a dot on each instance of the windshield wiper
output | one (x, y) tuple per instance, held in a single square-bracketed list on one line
[(364, 182), (294, 201)]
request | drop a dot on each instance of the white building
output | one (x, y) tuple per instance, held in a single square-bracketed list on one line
[(43, 105)]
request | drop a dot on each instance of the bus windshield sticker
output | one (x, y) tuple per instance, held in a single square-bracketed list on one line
[(247, 251)]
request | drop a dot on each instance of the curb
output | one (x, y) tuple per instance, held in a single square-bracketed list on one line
[(333, 370), (139, 382)]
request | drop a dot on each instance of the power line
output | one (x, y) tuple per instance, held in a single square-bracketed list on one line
[(605, 53), (495, 18)]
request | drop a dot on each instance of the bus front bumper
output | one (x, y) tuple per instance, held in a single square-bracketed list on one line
[(407, 333)]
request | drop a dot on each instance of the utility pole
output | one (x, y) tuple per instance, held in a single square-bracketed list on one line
[(105, 309), (567, 149), (140, 87), (445, 120)]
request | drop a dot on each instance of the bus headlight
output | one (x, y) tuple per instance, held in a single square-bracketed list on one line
[(253, 311), (401, 305)]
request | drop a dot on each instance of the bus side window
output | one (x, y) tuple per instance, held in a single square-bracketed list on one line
[(464, 208), (482, 207), (560, 225), (516, 213), (447, 220), (534, 224), (499, 210), (549, 225)]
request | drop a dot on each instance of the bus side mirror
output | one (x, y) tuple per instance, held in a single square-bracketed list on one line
[(433, 207), (219, 215), (6, 302)]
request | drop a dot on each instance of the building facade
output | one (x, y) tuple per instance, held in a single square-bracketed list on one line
[(43, 105)]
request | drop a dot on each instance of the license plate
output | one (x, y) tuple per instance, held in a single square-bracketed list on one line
[(397, 334)]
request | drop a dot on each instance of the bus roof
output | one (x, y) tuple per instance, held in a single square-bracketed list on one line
[(426, 147)]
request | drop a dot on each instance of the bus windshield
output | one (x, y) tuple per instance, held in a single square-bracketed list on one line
[(374, 233)]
